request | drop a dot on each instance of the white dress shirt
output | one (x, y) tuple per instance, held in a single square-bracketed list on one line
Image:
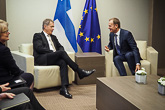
[(49, 42), (118, 38)]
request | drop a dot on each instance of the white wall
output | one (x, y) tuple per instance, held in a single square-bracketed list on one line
[(25, 17)]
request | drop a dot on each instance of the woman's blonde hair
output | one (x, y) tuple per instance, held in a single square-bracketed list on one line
[(3, 26)]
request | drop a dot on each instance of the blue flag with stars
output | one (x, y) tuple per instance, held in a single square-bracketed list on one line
[(64, 28), (89, 37)]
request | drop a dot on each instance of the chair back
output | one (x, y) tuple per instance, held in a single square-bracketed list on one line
[(26, 48), (142, 45)]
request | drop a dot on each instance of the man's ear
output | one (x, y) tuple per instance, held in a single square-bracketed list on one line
[(116, 26), (45, 26)]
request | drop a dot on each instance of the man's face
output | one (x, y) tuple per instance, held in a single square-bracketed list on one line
[(49, 28), (112, 27)]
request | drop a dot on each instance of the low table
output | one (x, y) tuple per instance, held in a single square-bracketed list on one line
[(123, 93), (88, 61)]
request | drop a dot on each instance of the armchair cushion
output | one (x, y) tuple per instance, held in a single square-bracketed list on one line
[(26, 48), (144, 63), (142, 45)]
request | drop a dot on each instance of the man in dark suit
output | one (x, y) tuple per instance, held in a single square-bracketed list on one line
[(124, 48), (48, 51)]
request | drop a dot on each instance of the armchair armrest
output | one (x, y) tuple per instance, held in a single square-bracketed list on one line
[(108, 63), (152, 57), (71, 55), (24, 61)]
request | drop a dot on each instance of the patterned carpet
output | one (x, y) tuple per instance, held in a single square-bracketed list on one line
[(84, 98)]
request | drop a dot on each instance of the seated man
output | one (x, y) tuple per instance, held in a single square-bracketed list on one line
[(48, 51), (124, 48)]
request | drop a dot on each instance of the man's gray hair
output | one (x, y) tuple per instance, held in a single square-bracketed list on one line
[(46, 22)]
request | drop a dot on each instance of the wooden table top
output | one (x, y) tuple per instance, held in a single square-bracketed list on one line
[(88, 54), (144, 96)]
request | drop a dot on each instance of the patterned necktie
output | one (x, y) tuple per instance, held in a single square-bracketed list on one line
[(52, 44), (117, 46)]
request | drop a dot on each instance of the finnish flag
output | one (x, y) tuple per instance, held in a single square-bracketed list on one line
[(63, 26)]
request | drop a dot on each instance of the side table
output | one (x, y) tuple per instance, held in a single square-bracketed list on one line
[(89, 61)]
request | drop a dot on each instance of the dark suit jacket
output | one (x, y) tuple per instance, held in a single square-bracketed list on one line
[(8, 67), (127, 44), (41, 47)]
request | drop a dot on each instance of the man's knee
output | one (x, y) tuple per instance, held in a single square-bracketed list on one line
[(117, 59), (129, 55), (62, 52)]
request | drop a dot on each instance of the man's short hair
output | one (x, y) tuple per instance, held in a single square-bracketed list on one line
[(3, 26), (115, 21), (46, 22)]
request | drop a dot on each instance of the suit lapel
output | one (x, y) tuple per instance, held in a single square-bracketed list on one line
[(44, 39), (121, 38), (113, 40)]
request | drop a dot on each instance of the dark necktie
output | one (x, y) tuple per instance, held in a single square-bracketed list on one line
[(117, 46)]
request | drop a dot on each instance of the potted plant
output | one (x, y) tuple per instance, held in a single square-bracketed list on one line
[(141, 76), (161, 85)]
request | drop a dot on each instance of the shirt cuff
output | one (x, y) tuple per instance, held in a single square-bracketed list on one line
[(137, 63)]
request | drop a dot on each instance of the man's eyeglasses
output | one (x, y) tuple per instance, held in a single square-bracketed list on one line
[(6, 31)]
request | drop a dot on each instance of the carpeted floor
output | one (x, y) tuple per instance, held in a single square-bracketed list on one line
[(84, 98)]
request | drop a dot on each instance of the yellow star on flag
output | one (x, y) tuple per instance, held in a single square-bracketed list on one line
[(82, 18), (81, 34), (98, 36), (91, 7), (87, 39), (79, 26), (96, 9), (92, 39), (86, 11)]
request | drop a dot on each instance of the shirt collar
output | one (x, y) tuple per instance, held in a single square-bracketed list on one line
[(45, 33)]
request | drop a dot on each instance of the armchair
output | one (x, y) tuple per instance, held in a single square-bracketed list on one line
[(149, 62), (44, 76)]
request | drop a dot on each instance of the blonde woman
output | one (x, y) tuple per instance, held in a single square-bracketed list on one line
[(8, 68)]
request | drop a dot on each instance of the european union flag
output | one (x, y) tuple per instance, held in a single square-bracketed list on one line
[(89, 37), (64, 28)]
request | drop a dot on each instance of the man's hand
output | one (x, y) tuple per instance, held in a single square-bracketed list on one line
[(4, 87), (137, 68), (107, 49), (6, 95)]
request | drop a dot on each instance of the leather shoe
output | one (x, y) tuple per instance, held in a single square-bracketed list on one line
[(65, 93), (84, 73)]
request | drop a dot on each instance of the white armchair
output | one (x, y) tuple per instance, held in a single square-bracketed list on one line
[(149, 62), (44, 76)]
